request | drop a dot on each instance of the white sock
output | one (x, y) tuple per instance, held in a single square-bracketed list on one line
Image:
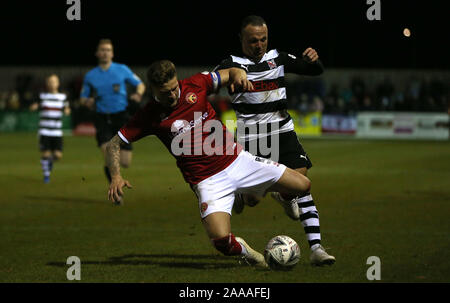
[(244, 250)]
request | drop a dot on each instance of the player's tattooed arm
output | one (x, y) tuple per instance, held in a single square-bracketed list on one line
[(113, 156), (113, 162)]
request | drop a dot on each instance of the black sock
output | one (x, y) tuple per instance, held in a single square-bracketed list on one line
[(108, 175)]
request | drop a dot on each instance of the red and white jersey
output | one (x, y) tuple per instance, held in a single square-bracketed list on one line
[(185, 127)]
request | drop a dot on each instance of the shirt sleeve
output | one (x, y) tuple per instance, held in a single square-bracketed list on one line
[(300, 66), (228, 63), (139, 126), (131, 77), (211, 81), (86, 88)]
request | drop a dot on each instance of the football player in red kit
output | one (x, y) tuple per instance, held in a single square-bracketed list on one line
[(211, 162)]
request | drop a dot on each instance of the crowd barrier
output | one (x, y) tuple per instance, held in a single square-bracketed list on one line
[(377, 125), (11, 121)]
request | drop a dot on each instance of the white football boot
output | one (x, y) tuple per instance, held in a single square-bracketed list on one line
[(253, 257), (290, 206), (320, 257)]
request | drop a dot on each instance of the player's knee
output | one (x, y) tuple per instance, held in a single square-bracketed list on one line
[(306, 184), (303, 182), (57, 156), (227, 245), (125, 164), (46, 154)]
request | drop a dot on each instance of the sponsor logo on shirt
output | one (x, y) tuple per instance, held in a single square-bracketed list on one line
[(266, 161), (244, 67), (116, 88), (182, 126), (265, 85)]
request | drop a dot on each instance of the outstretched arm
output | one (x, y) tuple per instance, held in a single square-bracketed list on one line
[(235, 78), (113, 162), (140, 90), (88, 102), (309, 64)]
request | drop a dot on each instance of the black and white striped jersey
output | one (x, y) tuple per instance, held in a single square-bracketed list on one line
[(267, 103), (51, 111)]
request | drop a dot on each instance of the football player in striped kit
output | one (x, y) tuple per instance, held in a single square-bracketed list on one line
[(263, 121), (179, 114), (52, 106)]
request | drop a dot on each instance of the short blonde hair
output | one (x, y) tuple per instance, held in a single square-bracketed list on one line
[(104, 41), (51, 75), (161, 72)]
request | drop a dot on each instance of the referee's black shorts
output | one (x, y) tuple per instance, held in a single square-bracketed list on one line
[(107, 126), (290, 151)]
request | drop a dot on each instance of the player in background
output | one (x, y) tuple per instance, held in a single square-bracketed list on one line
[(263, 112), (104, 89), (180, 114), (52, 106)]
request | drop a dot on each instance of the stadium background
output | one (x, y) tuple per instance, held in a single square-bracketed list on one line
[(385, 197)]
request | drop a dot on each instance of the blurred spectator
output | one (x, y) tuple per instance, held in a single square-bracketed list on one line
[(384, 93), (24, 90), (367, 104), (13, 101), (400, 103), (358, 88), (330, 101), (351, 108), (3, 100), (412, 94), (303, 106), (317, 105)]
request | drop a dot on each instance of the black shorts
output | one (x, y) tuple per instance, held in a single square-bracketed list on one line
[(290, 151), (50, 143), (107, 126)]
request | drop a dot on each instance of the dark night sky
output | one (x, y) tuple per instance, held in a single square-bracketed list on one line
[(201, 33)]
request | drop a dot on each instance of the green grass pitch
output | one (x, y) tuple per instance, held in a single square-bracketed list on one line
[(389, 199)]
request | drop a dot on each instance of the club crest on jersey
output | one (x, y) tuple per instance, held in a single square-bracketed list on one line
[(191, 98), (272, 64), (203, 207), (116, 88)]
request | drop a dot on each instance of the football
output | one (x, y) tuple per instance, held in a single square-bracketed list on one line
[(282, 253)]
